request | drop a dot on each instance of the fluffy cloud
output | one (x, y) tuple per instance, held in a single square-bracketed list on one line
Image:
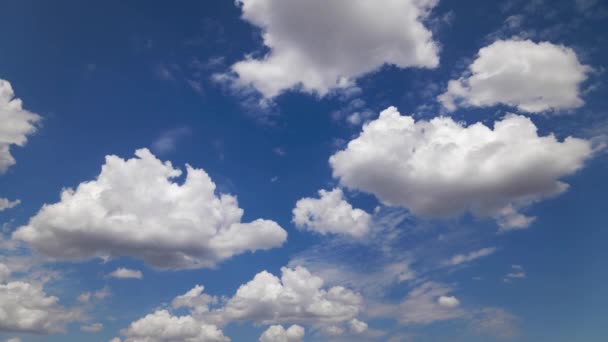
[(331, 214), (521, 74), (125, 273), (297, 297), (462, 258), (161, 326), (442, 168), (429, 303), (17, 124), (134, 208), (276, 333), (320, 45), (25, 307)]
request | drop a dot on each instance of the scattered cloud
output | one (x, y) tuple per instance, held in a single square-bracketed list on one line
[(442, 168), (167, 142), (348, 39), (133, 208), (331, 213), (464, 258), (495, 322), (125, 273), (8, 204), (520, 74), (92, 328), (517, 272)]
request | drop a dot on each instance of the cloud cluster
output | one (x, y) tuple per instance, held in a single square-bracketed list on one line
[(532, 77), (135, 208), (320, 45), (331, 213), (442, 168), (25, 307), (17, 124), (276, 333), (429, 303)]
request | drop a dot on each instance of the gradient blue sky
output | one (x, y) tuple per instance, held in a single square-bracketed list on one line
[(111, 77)]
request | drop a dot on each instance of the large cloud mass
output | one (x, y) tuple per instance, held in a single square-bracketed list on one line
[(442, 168), (134, 208), (320, 45), (331, 213), (17, 124), (276, 333), (533, 77)]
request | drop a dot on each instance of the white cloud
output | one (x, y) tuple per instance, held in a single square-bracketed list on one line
[(357, 326), (448, 301), (518, 272), (17, 124), (92, 328), (442, 168), (428, 303), (462, 258), (297, 297), (125, 273), (134, 208), (25, 307), (331, 213), (8, 204), (276, 333), (167, 141), (495, 322), (161, 326), (321, 45), (521, 74), (98, 295), (195, 300)]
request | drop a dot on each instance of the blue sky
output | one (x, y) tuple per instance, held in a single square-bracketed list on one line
[(400, 170)]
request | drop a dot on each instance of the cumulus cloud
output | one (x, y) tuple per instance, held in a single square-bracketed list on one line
[(448, 301), (25, 307), (463, 258), (442, 168), (135, 208), (17, 124), (520, 74), (125, 273), (161, 326), (297, 297), (331, 213), (320, 45), (276, 333), (8, 204)]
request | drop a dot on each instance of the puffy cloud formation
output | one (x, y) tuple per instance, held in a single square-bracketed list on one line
[(320, 45), (297, 297), (17, 124), (462, 258), (8, 204), (521, 74), (195, 300), (25, 307), (331, 213), (125, 273), (161, 326), (429, 303), (276, 333), (441, 168), (134, 209)]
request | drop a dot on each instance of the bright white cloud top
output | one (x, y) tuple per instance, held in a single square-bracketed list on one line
[(126, 273), (17, 124), (532, 77), (331, 213), (442, 168), (134, 208), (161, 326), (276, 333), (320, 45)]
